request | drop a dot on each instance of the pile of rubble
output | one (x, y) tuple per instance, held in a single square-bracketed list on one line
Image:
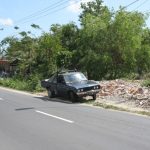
[(122, 91)]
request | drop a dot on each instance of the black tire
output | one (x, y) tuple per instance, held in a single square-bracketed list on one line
[(94, 97), (50, 93), (72, 96)]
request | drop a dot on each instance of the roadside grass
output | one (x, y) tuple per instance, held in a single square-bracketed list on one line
[(23, 85), (108, 106), (143, 113), (114, 107), (146, 83), (89, 101)]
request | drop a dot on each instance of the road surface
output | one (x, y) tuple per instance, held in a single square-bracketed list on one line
[(29, 122)]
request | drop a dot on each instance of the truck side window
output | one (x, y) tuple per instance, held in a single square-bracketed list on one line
[(60, 79), (54, 80)]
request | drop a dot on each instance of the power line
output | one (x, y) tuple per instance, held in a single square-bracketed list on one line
[(46, 9), (130, 4), (38, 14), (51, 12), (42, 11), (147, 11), (141, 4)]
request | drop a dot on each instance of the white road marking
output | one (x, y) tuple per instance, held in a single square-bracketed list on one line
[(1, 99), (66, 120)]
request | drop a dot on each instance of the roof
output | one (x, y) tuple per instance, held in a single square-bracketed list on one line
[(4, 62), (68, 73)]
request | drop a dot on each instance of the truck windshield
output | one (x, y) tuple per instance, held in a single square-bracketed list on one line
[(74, 77)]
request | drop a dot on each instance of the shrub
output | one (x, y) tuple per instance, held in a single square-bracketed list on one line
[(146, 83), (132, 76), (146, 76), (32, 84)]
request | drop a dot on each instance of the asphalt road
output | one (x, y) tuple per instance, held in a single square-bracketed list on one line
[(28, 122)]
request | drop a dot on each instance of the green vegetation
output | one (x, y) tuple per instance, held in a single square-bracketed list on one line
[(108, 45), (32, 84), (146, 83)]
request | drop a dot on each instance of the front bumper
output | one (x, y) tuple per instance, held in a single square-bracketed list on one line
[(88, 93)]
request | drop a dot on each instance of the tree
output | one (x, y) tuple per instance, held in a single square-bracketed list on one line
[(95, 8), (125, 34), (110, 38), (107, 45), (49, 48), (6, 45), (94, 57), (143, 54), (68, 36)]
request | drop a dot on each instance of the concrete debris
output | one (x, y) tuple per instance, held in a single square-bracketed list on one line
[(125, 91)]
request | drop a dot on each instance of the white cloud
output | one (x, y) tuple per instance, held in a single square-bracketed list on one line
[(74, 5), (6, 21)]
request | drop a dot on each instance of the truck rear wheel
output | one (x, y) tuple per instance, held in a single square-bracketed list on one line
[(50, 93)]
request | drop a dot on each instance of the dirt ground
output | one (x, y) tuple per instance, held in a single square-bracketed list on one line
[(123, 93)]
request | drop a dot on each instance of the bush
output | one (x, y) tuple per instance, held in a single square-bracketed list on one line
[(32, 84), (146, 83), (146, 76), (133, 76), (13, 83)]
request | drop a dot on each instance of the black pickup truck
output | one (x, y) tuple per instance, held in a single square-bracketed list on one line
[(71, 84)]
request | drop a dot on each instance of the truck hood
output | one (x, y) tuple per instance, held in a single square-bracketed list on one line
[(83, 84)]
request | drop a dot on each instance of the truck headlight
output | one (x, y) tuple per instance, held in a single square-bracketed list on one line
[(80, 90), (96, 87)]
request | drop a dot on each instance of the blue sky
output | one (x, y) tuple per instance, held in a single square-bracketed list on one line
[(16, 13)]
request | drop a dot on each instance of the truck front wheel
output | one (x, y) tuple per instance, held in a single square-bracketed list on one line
[(94, 97), (72, 96)]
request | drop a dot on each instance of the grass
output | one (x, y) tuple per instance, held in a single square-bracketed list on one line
[(113, 107), (108, 106), (23, 85), (146, 113), (146, 83)]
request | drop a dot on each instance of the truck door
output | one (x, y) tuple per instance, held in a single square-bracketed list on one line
[(61, 86)]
